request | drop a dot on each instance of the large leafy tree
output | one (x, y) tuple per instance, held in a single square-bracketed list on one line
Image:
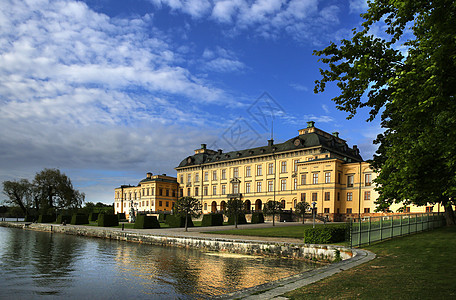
[(19, 192), (301, 209), (187, 206), (272, 208), (413, 91), (234, 207)]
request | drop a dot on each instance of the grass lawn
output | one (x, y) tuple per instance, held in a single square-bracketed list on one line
[(418, 266), (282, 231)]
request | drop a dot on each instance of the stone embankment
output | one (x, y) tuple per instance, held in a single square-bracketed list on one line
[(260, 246)]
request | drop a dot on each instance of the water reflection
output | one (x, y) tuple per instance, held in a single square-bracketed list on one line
[(39, 263)]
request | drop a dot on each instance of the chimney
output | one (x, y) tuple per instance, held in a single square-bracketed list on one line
[(149, 175), (310, 124), (203, 146), (164, 174), (336, 134), (355, 147), (219, 151), (270, 142)]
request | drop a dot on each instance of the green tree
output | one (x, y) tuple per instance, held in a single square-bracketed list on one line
[(272, 208), (413, 92), (301, 209), (187, 206), (19, 193), (234, 207)]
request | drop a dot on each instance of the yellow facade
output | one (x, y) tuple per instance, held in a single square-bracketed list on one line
[(152, 194)]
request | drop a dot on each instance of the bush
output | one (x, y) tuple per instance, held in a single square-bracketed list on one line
[(46, 219), (144, 222), (29, 219), (105, 220), (61, 219), (121, 216), (178, 221), (79, 219), (241, 219), (212, 220), (93, 216), (162, 218), (257, 217), (325, 235)]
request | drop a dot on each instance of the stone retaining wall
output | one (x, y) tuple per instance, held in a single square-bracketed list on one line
[(322, 253)]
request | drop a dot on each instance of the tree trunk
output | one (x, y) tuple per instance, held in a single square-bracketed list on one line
[(273, 219), (449, 213), (303, 215), (235, 220), (186, 218)]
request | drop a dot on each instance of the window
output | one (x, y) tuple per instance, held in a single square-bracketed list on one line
[(160, 203), (224, 174), (295, 184), (349, 210), (349, 196), (294, 203), (407, 209), (429, 208), (174, 193), (214, 190), (167, 204), (188, 191), (167, 193), (196, 191), (258, 187), (147, 203), (206, 176), (283, 185), (271, 168), (247, 187), (205, 206), (223, 189), (339, 176), (327, 196), (303, 197), (368, 179), (303, 179), (214, 175), (181, 192), (327, 177), (283, 167), (314, 197), (270, 186), (315, 178), (236, 172), (197, 177), (350, 180), (259, 170), (189, 178), (248, 171), (205, 191), (160, 192), (117, 204), (182, 179), (235, 188), (326, 210), (143, 192), (366, 210), (338, 196), (295, 167), (147, 190), (152, 190), (367, 195), (125, 204)]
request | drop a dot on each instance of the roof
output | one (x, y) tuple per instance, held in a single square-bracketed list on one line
[(302, 141)]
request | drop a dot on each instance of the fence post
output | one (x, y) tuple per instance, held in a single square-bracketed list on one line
[(369, 232), (359, 232), (351, 233), (401, 226), (392, 226), (381, 228)]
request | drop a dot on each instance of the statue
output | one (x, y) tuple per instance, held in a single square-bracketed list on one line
[(132, 215)]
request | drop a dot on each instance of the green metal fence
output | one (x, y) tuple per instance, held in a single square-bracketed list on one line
[(366, 230)]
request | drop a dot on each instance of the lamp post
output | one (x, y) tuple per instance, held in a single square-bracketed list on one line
[(313, 213)]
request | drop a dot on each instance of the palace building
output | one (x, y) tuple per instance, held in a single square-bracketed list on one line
[(152, 194)]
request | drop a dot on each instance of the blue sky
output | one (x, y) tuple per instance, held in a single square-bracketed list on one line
[(109, 90)]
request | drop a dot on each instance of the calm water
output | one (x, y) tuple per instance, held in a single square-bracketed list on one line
[(39, 264)]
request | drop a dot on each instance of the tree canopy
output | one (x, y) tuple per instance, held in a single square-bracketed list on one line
[(234, 207), (408, 76), (272, 208), (302, 208), (187, 206)]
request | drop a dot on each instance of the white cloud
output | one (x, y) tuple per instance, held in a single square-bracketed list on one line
[(358, 6), (220, 60), (299, 87)]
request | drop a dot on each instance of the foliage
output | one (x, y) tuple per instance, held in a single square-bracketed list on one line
[(107, 220), (179, 221), (93, 217), (162, 217), (19, 193), (272, 208), (234, 208), (63, 218), (415, 95), (78, 219), (187, 206), (212, 220), (325, 235), (46, 218), (145, 222), (237, 220), (121, 216), (257, 217), (301, 209)]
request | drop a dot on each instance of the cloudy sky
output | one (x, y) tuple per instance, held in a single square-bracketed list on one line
[(107, 90)]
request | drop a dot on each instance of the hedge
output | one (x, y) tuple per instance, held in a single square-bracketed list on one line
[(105, 220), (325, 234), (93, 216), (79, 219), (144, 222), (257, 217), (178, 221), (29, 219), (61, 219), (162, 217), (212, 220), (121, 216), (241, 219), (46, 219)]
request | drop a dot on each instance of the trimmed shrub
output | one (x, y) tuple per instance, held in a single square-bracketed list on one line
[(241, 219), (61, 219), (257, 218), (144, 222), (121, 216), (212, 220), (162, 218), (105, 220), (79, 219), (325, 235), (178, 221), (93, 216), (46, 219)]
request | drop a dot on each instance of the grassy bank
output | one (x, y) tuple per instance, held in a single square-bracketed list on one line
[(419, 266)]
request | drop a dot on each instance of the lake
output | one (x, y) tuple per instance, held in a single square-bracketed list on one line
[(40, 264)]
